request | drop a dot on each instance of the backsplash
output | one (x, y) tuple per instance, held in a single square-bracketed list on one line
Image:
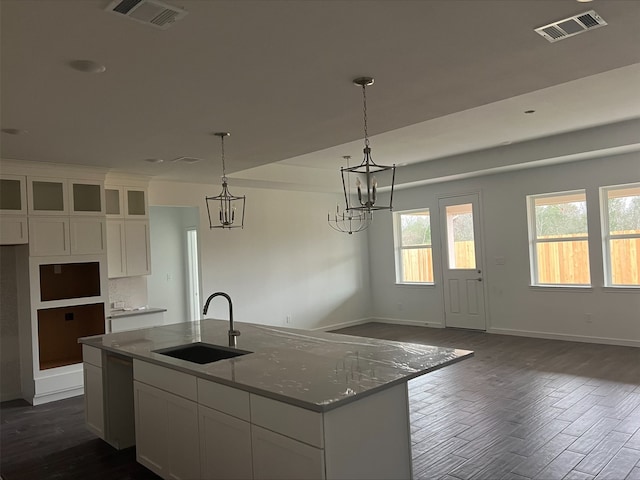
[(130, 290)]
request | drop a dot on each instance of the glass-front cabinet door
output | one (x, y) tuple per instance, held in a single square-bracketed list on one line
[(47, 196), (113, 197), (136, 203), (13, 195), (86, 197)]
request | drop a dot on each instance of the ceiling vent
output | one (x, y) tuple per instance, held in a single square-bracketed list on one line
[(571, 26), (150, 12)]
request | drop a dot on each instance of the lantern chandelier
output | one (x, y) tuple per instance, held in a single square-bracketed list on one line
[(368, 168), (229, 208), (349, 220)]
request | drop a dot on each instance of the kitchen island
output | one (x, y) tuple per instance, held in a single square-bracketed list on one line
[(298, 404)]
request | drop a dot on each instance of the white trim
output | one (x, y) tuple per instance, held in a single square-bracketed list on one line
[(55, 396), (410, 323), (534, 240), (565, 337), (607, 236), (336, 326)]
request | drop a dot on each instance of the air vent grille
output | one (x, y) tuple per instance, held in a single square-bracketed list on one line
[(568, 27), (150, 12)]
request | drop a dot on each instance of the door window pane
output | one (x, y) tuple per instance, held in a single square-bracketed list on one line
[(460, 237)]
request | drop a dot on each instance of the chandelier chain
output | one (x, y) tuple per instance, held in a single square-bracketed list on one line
[(224, 174), (364, 113)]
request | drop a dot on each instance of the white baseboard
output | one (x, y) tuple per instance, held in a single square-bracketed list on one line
[(52, 397), (401, 321), (566, 337), (361, 321), (336, 326)]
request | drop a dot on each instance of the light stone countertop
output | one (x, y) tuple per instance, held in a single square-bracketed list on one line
[(314, 370)]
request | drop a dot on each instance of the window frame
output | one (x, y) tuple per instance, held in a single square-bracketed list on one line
[(399, 248), (534, 240), (607, 236)]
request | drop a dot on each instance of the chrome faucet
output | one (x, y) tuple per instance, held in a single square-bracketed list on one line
[(233, 333)]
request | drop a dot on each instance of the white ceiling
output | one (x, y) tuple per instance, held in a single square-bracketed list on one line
[(452, 76)]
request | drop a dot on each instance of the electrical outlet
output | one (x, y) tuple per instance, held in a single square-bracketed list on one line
[(587, 318), (287, 319)]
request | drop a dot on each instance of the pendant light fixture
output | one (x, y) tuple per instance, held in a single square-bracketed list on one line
[(225, 210), (349, 220), (367, 193)]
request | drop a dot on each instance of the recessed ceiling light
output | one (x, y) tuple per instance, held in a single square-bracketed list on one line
[(14, 131), (584, 1), (87, 66), (529, 112), (154, 160)]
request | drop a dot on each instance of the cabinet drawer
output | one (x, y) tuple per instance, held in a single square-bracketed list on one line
[(92, 355), (289, 420), (166, 379), (225, 399)]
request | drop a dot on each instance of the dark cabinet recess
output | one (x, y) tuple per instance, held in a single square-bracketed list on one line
[(61, 281), (60, 328)]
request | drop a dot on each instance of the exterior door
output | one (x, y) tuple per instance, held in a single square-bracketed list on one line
[(462, 262)]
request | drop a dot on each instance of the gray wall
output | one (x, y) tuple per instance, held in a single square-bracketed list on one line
[(513, 306)]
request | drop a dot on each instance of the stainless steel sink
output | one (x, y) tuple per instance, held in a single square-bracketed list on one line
[(201, 352)]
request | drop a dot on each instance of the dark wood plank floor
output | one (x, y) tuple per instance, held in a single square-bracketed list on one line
[(520, 409), (523, 408)]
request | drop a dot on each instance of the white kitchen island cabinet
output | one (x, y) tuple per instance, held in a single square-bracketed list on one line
[(294, 404)]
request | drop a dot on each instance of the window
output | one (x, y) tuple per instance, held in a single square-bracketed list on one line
[(559, 241), (621, 234), (414, 257)]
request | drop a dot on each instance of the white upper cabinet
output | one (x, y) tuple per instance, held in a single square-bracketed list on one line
[(126, 202), (86, 197), (13, 195), (47, 196), (59, 196), (114, 201), (135, 203), (13, 210)]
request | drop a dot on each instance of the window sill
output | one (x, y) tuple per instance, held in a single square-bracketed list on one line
[(415, 285), (622, 289), (562, 288)]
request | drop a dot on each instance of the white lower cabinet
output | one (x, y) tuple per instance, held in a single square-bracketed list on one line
[(225, 446), (166, 439), (94, 399), (191, 428), (277, 456)]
